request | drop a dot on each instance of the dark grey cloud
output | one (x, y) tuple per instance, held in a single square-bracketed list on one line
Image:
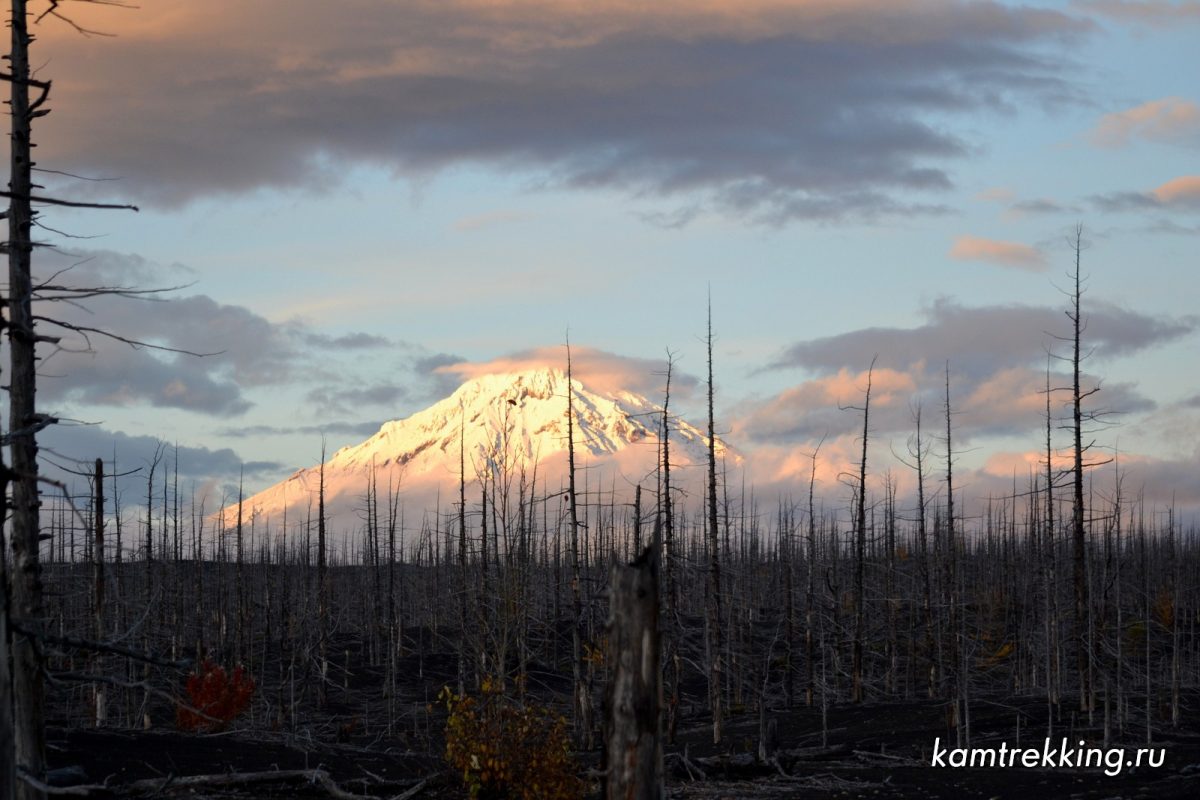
[(230, 349), (118, 375), (439, 383), (769, 112), (363, 429), (1115, 202), (979, 341), (349, 341), (1042, 206), (1181, 193), (342, 398), (67, 449), (1173, 228), (429, 364)]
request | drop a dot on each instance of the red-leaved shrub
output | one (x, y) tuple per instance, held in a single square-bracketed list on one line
[(218, 697)]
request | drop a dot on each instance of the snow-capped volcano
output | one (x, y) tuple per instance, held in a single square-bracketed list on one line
[(503, 423)]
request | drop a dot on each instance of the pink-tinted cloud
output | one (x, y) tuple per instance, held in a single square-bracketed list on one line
[(819, 406), (1001, 253), (1183, 191), (1007, 463), (598, 370), (1171, 119)]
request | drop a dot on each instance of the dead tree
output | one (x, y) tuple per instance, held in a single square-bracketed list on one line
[(810, 592), (958, 651), (239, 631), (1078, 532), (713, 605), (322, 585), (917, 451), (860, 544), (99, 690), (583, 700), (24, 421), (664, 540), (633, 728), (463, 655), (8, 763)]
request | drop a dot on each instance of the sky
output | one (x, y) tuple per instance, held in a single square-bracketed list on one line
[(351, 206)]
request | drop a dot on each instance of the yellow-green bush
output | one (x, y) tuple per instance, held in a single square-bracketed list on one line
[(505, 749)]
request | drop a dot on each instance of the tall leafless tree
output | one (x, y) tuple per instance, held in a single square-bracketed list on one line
[(713, 605)]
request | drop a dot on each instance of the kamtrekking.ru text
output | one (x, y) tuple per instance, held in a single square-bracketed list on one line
[(1051, 755)]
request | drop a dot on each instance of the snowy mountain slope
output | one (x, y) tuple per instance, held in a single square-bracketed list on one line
[(504, 422)]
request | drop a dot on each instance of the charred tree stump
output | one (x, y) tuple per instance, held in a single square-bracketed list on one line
[(633, 723)]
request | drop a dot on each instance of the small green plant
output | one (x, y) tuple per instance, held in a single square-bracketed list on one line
[(510, 750), (215, 698)]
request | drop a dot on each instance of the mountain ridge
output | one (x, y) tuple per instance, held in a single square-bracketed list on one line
[(503, 422)]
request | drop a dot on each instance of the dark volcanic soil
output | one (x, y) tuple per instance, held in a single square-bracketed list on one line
[(871, 751)]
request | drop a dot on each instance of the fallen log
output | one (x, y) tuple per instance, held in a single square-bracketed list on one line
[(314, 776)]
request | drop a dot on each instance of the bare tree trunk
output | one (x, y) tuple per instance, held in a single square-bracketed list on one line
[(8, 764), (99, 690), (322, 586), (665, 542), (1049, 558), (810, 595), (923, 545), (633, 734), (26, 577), (787, 549), (713, 606), (583, 700), (860, 543), (1078, 538), (239, 631), (951, 557), (463, 653), (637, 519)]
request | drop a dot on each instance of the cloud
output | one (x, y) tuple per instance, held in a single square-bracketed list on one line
[(769, 110), (997, 388), (994, 251), (241, 350), (1157, 13), (67, 449), (810, 410), (1178, 193), (1008, 402), (981, 340), (1172, 228), (362, 429), (1040, 206), (349, 341), (1171, 119), (598, 370), (353, 398)]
